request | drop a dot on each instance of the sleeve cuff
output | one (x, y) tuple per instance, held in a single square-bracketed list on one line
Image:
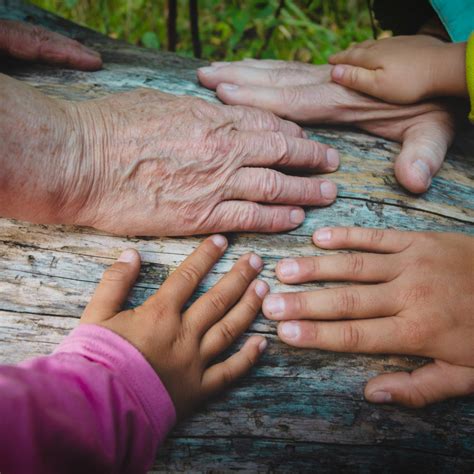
[(107, 348)]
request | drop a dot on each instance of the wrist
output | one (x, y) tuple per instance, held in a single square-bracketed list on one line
[(449, 71)]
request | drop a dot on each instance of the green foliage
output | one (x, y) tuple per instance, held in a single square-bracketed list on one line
[(304, 30)]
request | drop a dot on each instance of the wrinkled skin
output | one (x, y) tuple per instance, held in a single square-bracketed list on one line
[(182, 344), (305, 93), (34, 43), (149, 163), (414, 294), (179, 165)]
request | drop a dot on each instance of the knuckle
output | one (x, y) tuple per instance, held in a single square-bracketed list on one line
[(272, 187), (115, 273), (375, 236), (353, 75), (249, 217), (290, 95), (355, 263), (279, 146), (227, 376), (351, 337), (218, 302), (227, 331), (190, 274), (298, 303), (348, 301)]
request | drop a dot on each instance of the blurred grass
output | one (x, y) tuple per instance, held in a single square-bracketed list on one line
[(305, 30)]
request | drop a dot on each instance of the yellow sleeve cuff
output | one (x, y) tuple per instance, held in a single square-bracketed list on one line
[(470, 73)]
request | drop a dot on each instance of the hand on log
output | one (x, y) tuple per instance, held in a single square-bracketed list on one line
[(305, 93), (415, 296), (34, 43)]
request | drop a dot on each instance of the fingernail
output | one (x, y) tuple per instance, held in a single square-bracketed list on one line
[(337, 72), (255, 262), (263, 345), (290, 330), (323, 235), (297, 216), (423, 170), (274, 305), (127, 256), (332, 157), (328, 190), (261, 289), (207, 69), (288, 267), (228, 87), (380, 397), (219, 240)]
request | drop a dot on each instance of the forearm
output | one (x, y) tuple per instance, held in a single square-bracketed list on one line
[(95, 405), (39, 156)]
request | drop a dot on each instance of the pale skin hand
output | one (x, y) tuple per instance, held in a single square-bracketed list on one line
[(149, 163), (403, 69), (181, 344), (417, 298), (35, 43), (305, 93)]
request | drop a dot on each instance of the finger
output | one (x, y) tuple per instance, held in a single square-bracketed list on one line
[(361, 238), (219, 376), (246, 216), (34, 43), (227, 330), (267, 185), (423, 151), (357, 55), (286, 102), (182, 283), (367, 336), (114, 287), (245, 74), (358, 78), (348, 302), (429, 384), (213, 305), (260, 63), (276, 149), (252, 119), (341, 267)]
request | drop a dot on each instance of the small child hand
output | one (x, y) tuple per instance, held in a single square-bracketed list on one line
[(415, 296), (403, 69), (180, 344)]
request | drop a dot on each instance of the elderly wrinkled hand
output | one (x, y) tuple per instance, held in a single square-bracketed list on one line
[(149, 163), (34, 43), (306, 94)]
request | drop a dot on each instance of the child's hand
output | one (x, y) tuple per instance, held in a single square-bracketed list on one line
[(181, 344), (417, 298), (403, 69)]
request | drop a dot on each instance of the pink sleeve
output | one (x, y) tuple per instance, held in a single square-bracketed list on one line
[(94, 405)]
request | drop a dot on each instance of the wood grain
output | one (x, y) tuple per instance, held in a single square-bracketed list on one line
[(298, 411)]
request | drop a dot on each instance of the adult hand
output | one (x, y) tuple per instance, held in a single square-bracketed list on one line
[(305, 93), (149, 163), (420, 301), (35, 43)]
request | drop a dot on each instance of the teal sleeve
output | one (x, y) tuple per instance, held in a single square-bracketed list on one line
[(457, 17)]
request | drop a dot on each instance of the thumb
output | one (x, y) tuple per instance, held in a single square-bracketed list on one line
[(429, 384), (358, 78), (423, 151), (113, 289)]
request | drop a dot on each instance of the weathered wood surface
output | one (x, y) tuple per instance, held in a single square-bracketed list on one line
[(298, 410)]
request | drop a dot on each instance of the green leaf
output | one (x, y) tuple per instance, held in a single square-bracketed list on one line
[(150, 40)]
